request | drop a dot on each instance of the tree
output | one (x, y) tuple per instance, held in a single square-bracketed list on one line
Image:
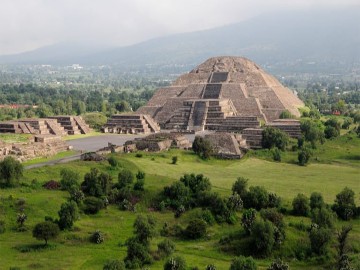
[(176, 263), (140, 181), (68, 213), (77, 195), (273, 137), (178, 194), (125, 178), (69, 179), (196, 183), (331, 132), (301, 205), (21, 218), (235, 202), (97, 237), (137, 254), (45, 231), (345, 204), (312, 130), (144, 229), (243, 263), (11, 171)]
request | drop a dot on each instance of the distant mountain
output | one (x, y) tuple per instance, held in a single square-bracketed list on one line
[(308, 40)]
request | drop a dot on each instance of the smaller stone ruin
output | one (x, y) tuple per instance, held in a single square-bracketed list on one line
[(56, 125), (158, 142), (39, 146), (289, 126), (227, 145), (130, 124)]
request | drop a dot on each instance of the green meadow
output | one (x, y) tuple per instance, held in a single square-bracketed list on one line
[(329, 172)]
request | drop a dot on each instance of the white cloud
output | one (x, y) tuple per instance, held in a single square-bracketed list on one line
[(27, 24)]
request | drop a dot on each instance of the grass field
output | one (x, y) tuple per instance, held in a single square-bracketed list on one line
[(73, 250)]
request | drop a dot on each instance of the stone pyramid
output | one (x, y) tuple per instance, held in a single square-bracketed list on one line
[(224, 94)]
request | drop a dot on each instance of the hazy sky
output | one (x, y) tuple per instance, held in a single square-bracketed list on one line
[(29, 24)]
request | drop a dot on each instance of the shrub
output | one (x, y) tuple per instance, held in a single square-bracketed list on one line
[(319, 239), (113, 161), (67, 215), (69, 179), (208, 217), (196, 229), (137, 254), (144, 228), (11, 171), (243, 263), (97, 237), (323, 217), (234, 202), (77, 195), (276, 154), (125, 178), (304, 156), (52, 185), (174, 160), (286, 115), (263, 237), (96, 184), (92, 205), (273, 137), (210, 267), (114, 265), (202, 147), (278, 265), (166, 247), (240, 186), (2, 226), (138, 155), (257, 198), (316, 200), (178, 194), (301, 205), (45, 231), (21, 218), (197, 183), (140, 181), (331, 132), (345, 204), (248, 219), (176, 263)]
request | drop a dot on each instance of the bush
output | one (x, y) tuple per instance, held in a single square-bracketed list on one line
[(243, 263), (235, 202), (166, 247), (210, 267), (93, 205), (202, 147), (67, 215), (2, 226), (319, 239), (113, 161), (208, 217), (273, 137), (257, 198), (177, 263), (96, 184), (11, 171), (345, 204), (316, 200), (278, 265), (196, 229), (331, 132), (77, 195), (301, 205), (174, 160), (286, 115), (45, 231), (248, 219), (125, 178), (137, 254), (240, 186), (97, 237), (140, 181), (178, 194), (263, 237), (114, 265), (304, 156), (323, 217), (276, 154), (69, 179)]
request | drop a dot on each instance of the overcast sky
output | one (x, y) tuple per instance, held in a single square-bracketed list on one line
[(29, 24)]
